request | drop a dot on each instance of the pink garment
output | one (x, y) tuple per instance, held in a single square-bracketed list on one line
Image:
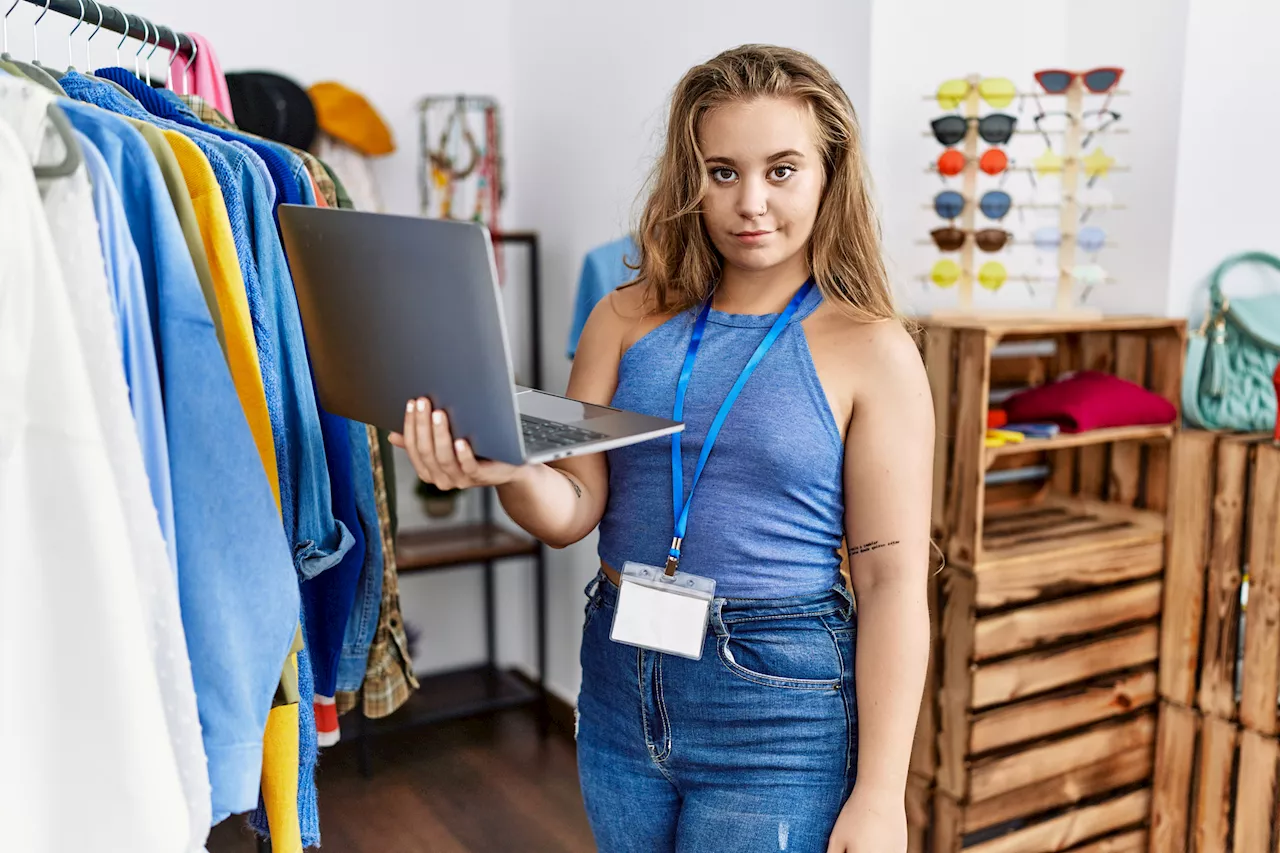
[(205, 77)]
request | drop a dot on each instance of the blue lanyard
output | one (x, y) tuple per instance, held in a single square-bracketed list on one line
[(677, 466)]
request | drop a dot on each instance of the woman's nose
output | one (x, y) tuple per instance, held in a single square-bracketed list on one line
[(753, 199)]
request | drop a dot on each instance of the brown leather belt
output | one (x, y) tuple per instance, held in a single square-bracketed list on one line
[(611, 573)]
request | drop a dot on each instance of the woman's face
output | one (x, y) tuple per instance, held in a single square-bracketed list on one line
[(765, 181)]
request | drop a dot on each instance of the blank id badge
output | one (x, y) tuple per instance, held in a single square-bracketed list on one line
[(660, 613)]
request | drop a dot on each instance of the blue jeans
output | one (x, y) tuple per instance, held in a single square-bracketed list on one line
[(753, 747)]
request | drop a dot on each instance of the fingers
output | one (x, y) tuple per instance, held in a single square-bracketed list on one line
[(396, 439), (418, 441), (442, 440), (466, 459)]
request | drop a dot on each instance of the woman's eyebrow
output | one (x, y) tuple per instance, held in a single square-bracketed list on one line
[(790, 153)]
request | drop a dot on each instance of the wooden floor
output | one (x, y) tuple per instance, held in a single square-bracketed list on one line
[(479, 785)]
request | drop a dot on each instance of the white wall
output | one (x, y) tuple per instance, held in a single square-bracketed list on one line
[(590, 99), (919, 44), (394, 53), (584, 88), (1227, 180)]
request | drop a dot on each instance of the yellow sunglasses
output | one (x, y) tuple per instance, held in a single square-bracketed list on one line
[(996, 91), (946, 272)]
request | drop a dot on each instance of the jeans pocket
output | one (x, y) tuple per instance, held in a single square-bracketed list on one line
[(794, 652)]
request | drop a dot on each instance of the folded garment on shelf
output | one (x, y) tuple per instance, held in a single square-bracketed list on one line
[(996, 418), (1090, 400), (1034, 430)]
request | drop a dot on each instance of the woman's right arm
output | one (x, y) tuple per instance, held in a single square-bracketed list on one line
[(561, 502), (558, 503)]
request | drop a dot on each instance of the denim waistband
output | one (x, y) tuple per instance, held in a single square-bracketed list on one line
[(729, 610)]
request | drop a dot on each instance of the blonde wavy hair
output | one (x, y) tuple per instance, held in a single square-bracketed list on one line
[(679, 265)]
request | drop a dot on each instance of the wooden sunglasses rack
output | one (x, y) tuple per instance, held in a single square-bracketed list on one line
[(1069, 210)]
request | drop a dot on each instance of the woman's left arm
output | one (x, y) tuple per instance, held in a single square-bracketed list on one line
[(888, 494)]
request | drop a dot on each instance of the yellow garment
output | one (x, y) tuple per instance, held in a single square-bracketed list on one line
[(233, 304), (280, 773), (346, 115)]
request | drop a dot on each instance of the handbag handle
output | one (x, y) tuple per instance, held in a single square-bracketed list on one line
[(1217, 299)]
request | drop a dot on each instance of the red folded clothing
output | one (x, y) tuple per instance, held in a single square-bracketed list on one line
[(996, 418), (1090, 400)]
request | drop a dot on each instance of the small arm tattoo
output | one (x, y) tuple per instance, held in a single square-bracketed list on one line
[(868, 547), (577, 490)]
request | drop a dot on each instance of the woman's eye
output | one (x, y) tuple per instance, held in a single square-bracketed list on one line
[(781, 173), (723, 175)]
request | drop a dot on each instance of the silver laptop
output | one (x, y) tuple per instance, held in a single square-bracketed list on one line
[(400, 307)]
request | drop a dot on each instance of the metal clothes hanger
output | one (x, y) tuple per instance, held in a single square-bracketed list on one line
[(36, 72), (88, 59), (71, 161), (113, 84), (152, 53), (190, 61), (71, 64), (146, 39), (6, 61)]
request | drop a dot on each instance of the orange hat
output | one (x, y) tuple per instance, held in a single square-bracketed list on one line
[(347, 116)]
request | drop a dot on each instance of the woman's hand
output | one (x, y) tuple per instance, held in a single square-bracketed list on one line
[(441, 460), (870, 823)]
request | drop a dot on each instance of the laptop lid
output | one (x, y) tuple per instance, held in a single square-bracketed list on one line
[(399, 307)]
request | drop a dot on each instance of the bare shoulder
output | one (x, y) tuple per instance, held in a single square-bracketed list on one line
[(864, 365), (632, 309), (880, 352), (616, 322)]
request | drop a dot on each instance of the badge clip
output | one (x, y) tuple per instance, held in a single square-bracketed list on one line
[(673, 559)]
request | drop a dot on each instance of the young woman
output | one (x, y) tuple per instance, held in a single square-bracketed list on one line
[(759, 254)]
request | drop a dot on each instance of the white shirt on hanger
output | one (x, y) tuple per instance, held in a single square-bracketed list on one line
[(99, 731)]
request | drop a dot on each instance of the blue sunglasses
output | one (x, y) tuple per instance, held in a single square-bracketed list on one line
[(994, 204)]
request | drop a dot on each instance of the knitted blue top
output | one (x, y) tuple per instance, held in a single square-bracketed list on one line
[(768, 516)]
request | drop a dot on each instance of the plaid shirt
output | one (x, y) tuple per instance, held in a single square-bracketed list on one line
[(319, 174), (389, 677)]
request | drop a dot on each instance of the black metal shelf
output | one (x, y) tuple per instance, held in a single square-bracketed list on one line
[(456, 695), (432, 549), (486, 688)]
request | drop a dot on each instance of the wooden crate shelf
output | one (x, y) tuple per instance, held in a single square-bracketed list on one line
[(1217, 752), (1043, 690), (1216, 786), (1063, 441), (1063, 545)]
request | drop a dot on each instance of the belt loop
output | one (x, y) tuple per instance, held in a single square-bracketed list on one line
[(592, 587), (717, 617), (848, 608)]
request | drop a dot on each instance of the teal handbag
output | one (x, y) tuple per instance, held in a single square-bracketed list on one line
[(1227, 380)]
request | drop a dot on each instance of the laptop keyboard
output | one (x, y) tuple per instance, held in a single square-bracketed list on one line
[(540, 435)]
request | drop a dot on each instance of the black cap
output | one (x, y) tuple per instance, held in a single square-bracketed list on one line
[(273, 107)]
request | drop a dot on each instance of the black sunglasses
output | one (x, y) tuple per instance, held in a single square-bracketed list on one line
[(996, 128), (1105, 118)]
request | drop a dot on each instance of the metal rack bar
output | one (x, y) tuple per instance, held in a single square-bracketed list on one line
[(133, 26)]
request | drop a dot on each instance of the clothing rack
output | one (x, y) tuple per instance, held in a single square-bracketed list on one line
[(132, 26)]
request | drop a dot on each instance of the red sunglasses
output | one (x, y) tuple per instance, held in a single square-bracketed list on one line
[(1055, 81)]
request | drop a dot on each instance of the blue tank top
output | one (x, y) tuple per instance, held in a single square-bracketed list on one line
[(768, 516)]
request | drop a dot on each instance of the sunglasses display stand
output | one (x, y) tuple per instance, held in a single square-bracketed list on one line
[(1072, 171)]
